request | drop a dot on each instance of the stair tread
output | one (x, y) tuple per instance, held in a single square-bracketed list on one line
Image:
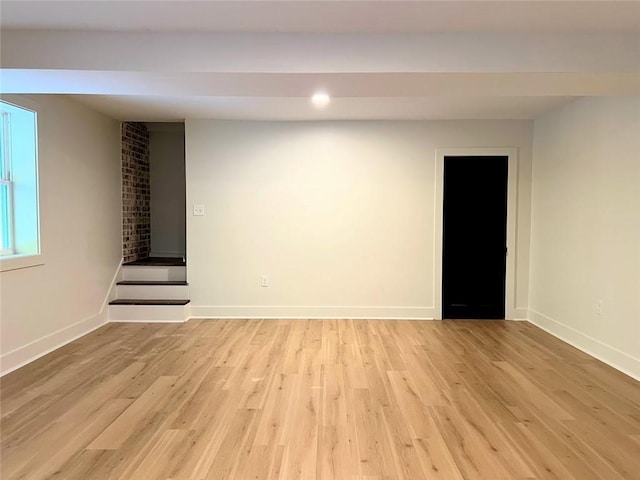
[(157, 262), (153, 282), (146, 301)]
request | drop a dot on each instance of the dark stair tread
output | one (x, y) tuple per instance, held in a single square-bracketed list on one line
[(157, 262), (153, 282), (134, 301)]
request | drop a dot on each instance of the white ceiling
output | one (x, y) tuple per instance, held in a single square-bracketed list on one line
[(169, 60), (324, 16)]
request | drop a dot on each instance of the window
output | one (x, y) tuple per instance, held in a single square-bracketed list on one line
[(19, 223)]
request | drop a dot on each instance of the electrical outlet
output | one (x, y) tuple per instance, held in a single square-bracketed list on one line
[(198, 210), (599, 307), (264, 281)]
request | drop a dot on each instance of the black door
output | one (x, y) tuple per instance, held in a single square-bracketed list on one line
[(474, 237)]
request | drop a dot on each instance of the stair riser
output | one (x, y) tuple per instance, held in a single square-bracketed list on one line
[(148, 313), (154, 273), (168, 292)]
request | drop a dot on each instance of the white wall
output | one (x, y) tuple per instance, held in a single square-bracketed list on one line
[(166, 160), (586, 228), (79, 172), (339, 215)]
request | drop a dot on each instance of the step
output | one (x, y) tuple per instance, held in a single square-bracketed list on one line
[(153, 273), (170, 290), (158, 261), (147, 301), (167, 312), (153, 282)]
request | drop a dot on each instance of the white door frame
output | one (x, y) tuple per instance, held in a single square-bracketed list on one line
[(512, 208)]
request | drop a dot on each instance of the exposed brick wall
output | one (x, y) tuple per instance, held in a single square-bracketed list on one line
[(136, 196)]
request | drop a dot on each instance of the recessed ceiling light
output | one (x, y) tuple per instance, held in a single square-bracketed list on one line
[(320, 99)]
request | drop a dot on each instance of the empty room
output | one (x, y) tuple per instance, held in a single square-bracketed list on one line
[(360, 240)]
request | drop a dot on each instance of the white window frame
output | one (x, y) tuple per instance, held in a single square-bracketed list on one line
[(6, 179), (16, 259)]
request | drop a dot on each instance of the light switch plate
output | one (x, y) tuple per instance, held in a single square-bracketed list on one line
[(198, 210)]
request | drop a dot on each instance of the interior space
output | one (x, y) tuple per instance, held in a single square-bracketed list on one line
[(329, 239)]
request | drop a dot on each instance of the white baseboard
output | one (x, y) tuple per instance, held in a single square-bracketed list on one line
[(611, 356), (25, 354), (315, 312), (113, 289)]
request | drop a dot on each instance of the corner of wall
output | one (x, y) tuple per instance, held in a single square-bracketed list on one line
[(25, 354), (584, 192), (611, 356)]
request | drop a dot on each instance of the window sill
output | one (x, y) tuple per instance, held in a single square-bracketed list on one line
[(16, 262)]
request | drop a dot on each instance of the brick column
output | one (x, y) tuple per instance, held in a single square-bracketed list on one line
[(136, 195)]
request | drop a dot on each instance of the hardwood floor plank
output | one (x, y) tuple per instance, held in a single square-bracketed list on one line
[(407, 462), (475, 458), (436, 458), (301, 442), (319, 399), (127, 423)]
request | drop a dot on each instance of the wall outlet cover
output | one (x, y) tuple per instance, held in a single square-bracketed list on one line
[(198, 210)]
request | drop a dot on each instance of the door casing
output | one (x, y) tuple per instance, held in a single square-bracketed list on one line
[(512, 202)]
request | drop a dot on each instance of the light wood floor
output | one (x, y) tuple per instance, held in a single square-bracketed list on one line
[(320, 400)]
